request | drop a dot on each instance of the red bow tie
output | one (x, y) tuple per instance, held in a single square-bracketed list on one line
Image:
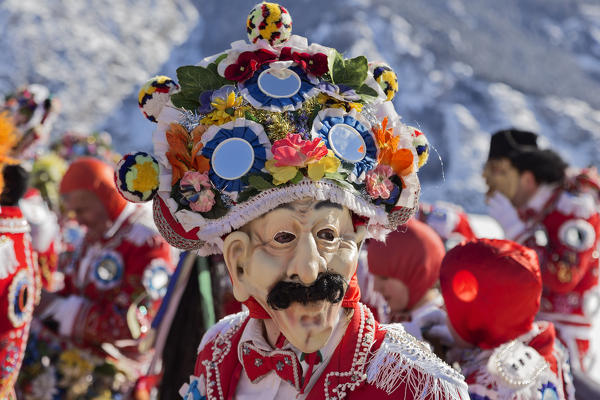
[(258, 363)]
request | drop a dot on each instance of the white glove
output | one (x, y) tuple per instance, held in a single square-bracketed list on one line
[(501, 209)]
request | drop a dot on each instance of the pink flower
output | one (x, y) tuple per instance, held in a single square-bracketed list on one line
[(198, 180), (205, 202), (378, 184), (297, 152)]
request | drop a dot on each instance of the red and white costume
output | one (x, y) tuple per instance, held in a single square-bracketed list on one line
[(113, 285), (449, 220), (413, 256), (530, 367), (492, 292), (130, 266), (564, 228), (362, 358), (45, 237), (17, 294)]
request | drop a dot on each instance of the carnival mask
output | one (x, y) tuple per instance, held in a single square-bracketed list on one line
[(296, 262)]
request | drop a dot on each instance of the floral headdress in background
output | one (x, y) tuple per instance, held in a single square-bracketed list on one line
[(34, 110)]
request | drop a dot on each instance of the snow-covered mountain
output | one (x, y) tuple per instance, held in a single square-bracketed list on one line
[(465, 68)]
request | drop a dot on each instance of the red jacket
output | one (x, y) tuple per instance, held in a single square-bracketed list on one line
[(565, 232), (109, 277), (371, 361)]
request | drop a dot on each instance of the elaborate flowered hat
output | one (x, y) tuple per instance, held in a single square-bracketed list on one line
[(34, 110), (267, 122)]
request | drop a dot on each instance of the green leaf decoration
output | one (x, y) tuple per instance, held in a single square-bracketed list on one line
[(219, 209), (297, 178), (246, 194), (351, 72), (335, 176), (339, 180), (194, 80), (259, 182), (213, 65), (248, 115), (366, 91), (336, 63), (181, 101)]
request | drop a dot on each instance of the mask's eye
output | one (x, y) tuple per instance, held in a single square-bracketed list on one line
[(326, 234), (284, 237)]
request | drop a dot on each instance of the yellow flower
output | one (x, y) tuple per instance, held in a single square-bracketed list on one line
[(220, 117), (318, 169), (73, 364), (230, 102), (143, 176), (280, 175), (355, 106)]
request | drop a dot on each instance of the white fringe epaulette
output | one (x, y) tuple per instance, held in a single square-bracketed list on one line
[(401, 358), (222, 327)]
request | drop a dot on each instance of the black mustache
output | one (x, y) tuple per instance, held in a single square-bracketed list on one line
[(329, 286)]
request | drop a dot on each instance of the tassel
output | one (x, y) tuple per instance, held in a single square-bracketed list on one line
[(402, 360)]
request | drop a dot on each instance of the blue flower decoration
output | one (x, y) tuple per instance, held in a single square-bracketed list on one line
[(549, 391), (250, 161), (392, 200), (251, 90), (369, 160), (340, 92)]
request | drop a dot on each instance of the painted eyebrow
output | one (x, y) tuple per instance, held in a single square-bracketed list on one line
[(327, 203), (285, 206)]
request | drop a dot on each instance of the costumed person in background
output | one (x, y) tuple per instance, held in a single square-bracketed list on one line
[(285, 165), (113, 287), (538, 204), (449, 220), (406, 269), (34, 110), (492, 292), (18, 268)]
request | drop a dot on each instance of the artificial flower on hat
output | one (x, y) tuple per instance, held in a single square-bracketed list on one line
[(271, 120)]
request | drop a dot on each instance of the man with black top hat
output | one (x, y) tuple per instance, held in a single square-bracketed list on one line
[(539, 202)]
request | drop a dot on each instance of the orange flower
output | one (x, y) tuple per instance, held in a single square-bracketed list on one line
[(178, 154), (386, 141), (199, 162), (402, 162)]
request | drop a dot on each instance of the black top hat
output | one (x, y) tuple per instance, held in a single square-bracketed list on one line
[(508, 143)]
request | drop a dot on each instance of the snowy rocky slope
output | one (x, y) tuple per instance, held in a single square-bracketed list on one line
[(465, 68)]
